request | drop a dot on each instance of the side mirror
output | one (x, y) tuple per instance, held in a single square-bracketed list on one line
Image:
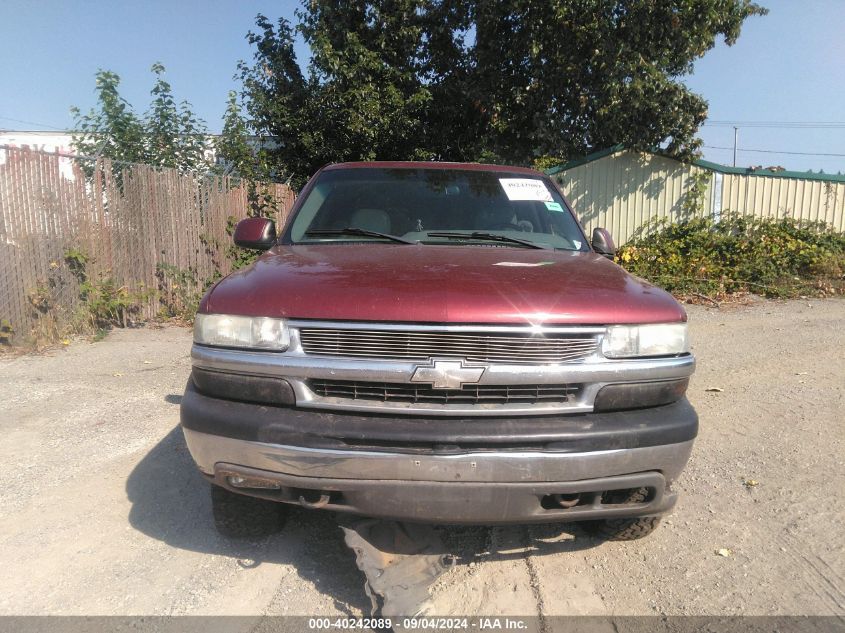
[(256, 233), (603, 243)]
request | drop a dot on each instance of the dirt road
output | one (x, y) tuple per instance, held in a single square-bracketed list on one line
[(103, 512)]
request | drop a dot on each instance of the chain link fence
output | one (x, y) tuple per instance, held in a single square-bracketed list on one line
[(145, 232)]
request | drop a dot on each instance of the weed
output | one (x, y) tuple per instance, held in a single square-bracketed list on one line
[(76, 261), (771, 257), (109, 304), (105, 302), (180, 292), (6, 332)]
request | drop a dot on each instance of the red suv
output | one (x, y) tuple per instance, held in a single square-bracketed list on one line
[(441, 343)]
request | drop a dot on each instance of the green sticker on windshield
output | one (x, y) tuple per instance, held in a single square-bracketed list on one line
[(554, 206)]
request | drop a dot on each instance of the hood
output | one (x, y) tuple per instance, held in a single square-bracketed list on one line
[(440, 284)]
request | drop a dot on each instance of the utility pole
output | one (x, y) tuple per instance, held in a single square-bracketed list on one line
[(736, 131)]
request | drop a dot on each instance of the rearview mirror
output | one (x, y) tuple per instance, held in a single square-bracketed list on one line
[(255, 233), (603, 243)]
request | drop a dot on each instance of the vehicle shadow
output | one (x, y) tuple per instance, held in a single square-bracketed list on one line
[(470, 544), (171, 503)]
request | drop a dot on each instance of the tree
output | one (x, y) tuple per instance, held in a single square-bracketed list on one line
[(566, 78), (175, 137), (166, 136), (245, 157), (365, 75), (112, 131), (362, 96), (276, 101), (503, 81), (236, 154)]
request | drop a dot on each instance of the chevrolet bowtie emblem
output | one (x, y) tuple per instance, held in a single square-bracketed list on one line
[(447, 374)]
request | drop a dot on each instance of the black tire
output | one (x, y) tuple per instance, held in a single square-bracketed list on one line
[(239, 516), (623, 529)]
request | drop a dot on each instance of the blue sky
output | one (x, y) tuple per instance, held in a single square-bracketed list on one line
[(786, 67)]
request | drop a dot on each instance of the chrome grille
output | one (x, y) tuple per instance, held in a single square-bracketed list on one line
[(468, 394), (421, 345)]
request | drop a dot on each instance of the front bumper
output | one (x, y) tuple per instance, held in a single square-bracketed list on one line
[(491, 470)]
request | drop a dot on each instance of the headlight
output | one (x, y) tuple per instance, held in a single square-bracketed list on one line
[(626, 341), (239, 331)]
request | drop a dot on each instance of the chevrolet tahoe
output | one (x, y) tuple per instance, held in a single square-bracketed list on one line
[(438, 342)]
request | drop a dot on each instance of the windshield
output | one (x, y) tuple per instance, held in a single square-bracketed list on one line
[(435, 206)]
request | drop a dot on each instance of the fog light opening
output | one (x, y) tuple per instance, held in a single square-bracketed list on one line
[(239, 481), (628, 496)]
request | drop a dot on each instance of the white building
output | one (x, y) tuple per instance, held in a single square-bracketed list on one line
[(58, 141)]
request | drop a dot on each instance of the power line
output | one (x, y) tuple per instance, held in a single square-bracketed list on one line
[(71, 131), (8, 118), (777, 124), (774, 151)]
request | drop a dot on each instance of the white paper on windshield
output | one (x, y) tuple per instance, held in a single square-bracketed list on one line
[(525, 189)]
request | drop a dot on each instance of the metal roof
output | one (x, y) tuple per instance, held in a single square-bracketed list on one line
[(704, 164)]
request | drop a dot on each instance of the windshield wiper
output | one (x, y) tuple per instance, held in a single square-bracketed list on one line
[(493, 237), (354, 230)]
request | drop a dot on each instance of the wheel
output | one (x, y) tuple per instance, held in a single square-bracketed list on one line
[(239, 516), (623, 529)]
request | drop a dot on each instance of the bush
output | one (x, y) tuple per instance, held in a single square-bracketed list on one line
[(180, 292), (772, 257), (105, 303), (6, 332), (108, 304)]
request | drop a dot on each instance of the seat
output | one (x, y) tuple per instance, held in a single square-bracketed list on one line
[(371, 220), (497, 217)]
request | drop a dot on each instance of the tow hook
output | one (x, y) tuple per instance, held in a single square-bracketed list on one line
[(322, 502), (567, 500)]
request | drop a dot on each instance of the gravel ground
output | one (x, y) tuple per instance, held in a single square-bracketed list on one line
[(103, 512)]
